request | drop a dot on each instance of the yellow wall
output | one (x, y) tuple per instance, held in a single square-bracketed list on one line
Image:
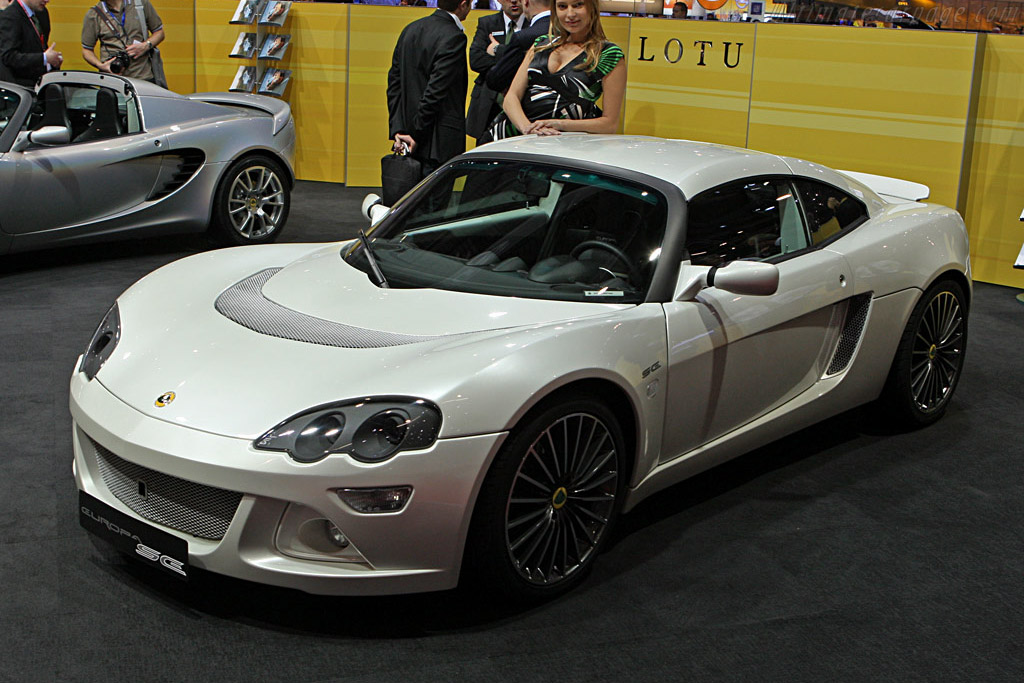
[(941, 108), (674, 92), (373, 34), (318, 57), (879, 101), (995, 195), (214, 39)]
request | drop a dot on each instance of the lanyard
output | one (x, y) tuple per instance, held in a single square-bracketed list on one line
[(42, 41), (124, 7)]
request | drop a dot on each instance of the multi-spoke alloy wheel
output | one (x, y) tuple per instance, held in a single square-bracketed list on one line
[(252, 202), (548, 503), (930, 356), (938, 350), (561, 499)]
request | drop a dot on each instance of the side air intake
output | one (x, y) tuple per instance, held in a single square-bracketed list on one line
[(853, 328), (176, 170)]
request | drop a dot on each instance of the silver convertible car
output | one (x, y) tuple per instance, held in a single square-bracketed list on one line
[(534, 339), (91, 156)]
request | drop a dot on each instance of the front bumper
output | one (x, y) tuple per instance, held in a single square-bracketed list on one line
[(414, 550)]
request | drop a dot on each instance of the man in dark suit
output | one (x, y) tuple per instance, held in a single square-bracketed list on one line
[(427, 86), (24, 30), (493, 33), (500, 76)]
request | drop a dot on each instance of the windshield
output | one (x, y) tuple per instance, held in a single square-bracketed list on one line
[(9, 102), (523, 229)]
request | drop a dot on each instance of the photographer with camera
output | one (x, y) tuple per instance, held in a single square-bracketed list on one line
[(128, 32)]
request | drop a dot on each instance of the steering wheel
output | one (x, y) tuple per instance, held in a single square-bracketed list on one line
[(634, 274)]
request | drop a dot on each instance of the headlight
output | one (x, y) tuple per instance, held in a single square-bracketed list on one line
[(103, 343), (370, 430)]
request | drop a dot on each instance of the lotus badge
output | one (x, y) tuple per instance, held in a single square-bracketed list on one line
[(164, 400)]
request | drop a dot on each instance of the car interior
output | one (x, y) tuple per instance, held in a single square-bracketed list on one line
[(533, 228), (90, 113), (747, 220)]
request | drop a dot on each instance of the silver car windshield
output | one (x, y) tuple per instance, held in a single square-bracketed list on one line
[(523, 229), (8, 106)]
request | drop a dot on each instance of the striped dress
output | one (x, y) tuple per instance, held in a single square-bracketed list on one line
[(569, 93)]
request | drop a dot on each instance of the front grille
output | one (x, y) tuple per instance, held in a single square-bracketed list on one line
[(203, 511), (853, 327)]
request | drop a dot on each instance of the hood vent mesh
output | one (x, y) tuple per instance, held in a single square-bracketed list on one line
[(245, 304)]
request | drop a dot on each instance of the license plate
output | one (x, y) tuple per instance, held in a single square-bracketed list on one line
[(154, 546)]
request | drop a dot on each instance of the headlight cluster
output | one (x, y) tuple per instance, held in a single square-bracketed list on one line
[(103, 342), (371, 430)]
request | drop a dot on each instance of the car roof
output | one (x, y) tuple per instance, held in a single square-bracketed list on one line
[(691, 166)]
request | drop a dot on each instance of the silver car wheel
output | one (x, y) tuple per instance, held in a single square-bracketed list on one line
[(937, 352), (562, 499), (256, 202)]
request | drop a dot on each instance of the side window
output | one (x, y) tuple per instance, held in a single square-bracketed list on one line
[(829, 210), (748, 219)]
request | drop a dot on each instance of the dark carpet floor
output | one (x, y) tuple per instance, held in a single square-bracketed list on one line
[(842, 553)]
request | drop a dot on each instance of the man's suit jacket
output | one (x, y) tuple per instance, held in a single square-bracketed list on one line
[(500, 76), (20, 48), (427, 88), (483, 103)]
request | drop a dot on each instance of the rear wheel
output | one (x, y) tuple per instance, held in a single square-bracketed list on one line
[(930, 357), (548, 503), (252, 202)]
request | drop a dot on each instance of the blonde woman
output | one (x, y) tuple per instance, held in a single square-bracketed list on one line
[(563, 75)]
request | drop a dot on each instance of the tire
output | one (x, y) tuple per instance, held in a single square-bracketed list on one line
[(548, 503), (251, 203), (929, 359)]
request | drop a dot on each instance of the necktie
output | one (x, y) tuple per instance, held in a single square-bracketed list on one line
[(35, 22), (510, 31)]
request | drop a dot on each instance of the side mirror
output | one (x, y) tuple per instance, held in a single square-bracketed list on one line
[(373, 208), (753, 278), (47, 135), (369, 201)]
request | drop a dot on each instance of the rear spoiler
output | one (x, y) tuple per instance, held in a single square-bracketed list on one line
[(276, 108), (891, 189)]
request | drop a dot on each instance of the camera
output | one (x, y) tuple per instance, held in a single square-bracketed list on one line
[(121, 62)]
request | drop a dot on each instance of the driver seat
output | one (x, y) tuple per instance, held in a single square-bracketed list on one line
[(106, 123), (55, 110)]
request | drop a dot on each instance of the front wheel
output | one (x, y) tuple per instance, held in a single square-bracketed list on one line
[(930, 357), (548, 503), (251, 203)]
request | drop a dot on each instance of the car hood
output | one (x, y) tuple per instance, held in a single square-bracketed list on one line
[(248, 337)]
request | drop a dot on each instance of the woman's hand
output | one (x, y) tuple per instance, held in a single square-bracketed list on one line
[(545, 127)]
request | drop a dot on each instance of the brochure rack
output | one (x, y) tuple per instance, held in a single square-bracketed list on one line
[(264, 45)]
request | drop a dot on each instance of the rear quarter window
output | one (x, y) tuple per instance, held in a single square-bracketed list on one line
[(829, 211)]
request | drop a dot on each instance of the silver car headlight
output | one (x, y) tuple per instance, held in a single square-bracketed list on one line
[(369, 430), (103, 343)]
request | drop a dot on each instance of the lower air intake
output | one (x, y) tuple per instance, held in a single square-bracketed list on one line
[(203, 511), (853, 327)]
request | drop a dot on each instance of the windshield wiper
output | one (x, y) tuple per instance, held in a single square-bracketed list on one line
[(372, 259)]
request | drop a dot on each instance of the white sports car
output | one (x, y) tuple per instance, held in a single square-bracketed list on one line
[(534, 339)]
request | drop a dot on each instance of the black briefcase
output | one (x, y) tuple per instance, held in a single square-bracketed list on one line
[(399, 173)]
